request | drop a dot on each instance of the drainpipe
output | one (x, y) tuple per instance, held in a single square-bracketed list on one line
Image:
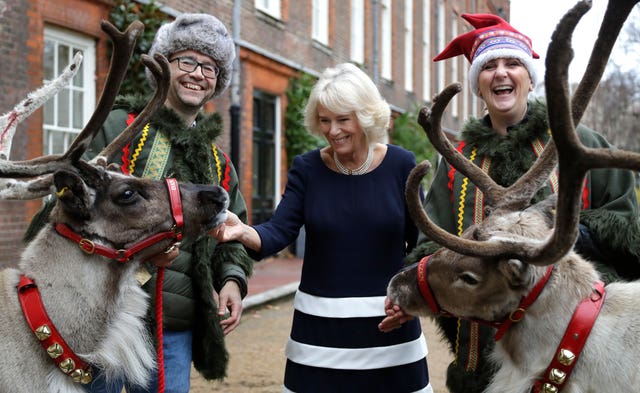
[(235, 108), (376, 41)]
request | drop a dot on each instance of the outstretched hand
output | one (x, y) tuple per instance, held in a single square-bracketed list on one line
[(395, 317), (228, 230)]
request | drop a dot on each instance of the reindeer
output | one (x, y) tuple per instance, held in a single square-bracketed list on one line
[(515, 270), (83, 264)]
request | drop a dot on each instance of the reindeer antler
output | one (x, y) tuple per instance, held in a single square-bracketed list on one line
[(10, 120), (124, 43), (574, 162), (159, 67)]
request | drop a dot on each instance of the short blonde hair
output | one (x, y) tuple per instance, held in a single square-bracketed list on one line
[(346, 89)]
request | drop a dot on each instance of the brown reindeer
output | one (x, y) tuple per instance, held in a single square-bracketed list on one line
[(515, 270), (83, 263)]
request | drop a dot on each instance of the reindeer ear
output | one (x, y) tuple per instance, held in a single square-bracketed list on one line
[(547, 208), (515, 271), (72, 194)]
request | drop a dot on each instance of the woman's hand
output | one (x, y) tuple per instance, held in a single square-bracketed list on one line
[(395, 317), (229, 230)]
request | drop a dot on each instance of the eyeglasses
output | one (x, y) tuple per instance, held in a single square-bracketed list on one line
[(189, 64)]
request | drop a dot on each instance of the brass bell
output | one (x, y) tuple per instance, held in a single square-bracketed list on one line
[(43, 332), (67, 365), (557, 376), (54, 350), (549, 388), (566, 357), (87, 376), (76, 375), (81, 376)]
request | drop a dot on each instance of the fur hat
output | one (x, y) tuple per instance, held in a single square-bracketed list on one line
[(492, 38), (202, 33)]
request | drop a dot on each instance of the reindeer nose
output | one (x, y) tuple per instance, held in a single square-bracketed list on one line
[(215, 196)]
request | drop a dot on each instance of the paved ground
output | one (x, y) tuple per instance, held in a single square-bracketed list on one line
[(256, 347)]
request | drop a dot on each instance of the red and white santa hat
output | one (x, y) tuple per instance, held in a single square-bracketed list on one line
[(492, 38)]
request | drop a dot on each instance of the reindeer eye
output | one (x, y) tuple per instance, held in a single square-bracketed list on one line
[(468, 278), (127, 196)]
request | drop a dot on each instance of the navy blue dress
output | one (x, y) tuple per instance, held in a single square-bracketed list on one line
[(357, 233)]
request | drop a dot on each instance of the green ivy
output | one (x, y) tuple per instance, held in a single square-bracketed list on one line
[(298, 139), (408, 134), (122, 15)]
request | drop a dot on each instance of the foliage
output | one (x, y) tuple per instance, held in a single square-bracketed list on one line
[(408, 134), (122, 15), (298, 139)]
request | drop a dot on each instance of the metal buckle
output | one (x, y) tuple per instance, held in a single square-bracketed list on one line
[(517, 314), (87, 246)]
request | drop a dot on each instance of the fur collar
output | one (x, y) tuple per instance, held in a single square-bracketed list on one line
[(511, 154), (191, 146)]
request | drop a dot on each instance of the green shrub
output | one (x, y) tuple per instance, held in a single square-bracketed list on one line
[(122, 14), (298, 139)]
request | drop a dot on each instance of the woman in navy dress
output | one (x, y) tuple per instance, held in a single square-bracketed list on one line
[(349, 196)]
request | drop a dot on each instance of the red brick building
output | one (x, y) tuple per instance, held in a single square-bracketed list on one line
[(393, 40)]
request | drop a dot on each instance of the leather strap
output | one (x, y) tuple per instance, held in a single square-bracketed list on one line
[(514, 317), (47, 334), (121, 255), (424, 287), (568, 352)]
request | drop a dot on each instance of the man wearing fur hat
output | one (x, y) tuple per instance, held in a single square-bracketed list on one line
[(179, 142), (505, 143)]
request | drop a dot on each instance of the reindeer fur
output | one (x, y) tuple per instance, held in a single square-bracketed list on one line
[(471, 287), (94, 302)]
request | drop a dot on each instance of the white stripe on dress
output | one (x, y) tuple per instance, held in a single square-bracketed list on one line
[(357, 358), (426, 389), (340, 307)]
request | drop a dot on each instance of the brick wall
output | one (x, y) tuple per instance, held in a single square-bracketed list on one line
[(21, 47)]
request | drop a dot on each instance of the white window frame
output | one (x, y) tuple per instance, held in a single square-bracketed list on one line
[(454, 68), (386, 36), (426, 50), (87, 73), (320, 21), (269, 7), (441, 43), (357, 31), (408, 45)]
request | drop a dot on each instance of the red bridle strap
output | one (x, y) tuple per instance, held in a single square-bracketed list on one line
[(47, 334), (568, 352), (424, 287), (514, 317), (121, 255)]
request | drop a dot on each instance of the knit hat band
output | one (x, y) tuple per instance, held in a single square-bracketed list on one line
[(493, 38), (500, 39)]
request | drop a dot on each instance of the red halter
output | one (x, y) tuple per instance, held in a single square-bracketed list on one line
[(502, 326), (38, 319), (121, 255)]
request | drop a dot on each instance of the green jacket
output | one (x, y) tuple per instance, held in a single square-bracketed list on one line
[(610, 212), (189, 155), (610, 206)]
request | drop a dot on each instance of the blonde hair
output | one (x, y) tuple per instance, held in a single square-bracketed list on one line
[(346, 89)]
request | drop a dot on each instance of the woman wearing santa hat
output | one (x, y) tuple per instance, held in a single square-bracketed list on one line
[(505, 143)]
